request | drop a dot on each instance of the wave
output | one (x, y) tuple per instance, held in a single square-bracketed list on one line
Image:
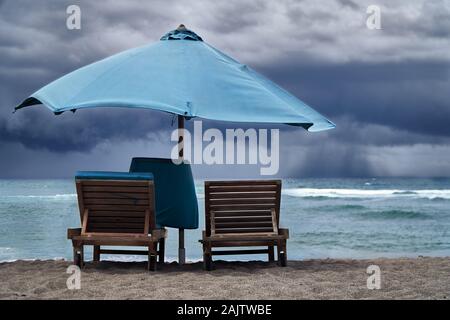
[(393, 214), (55, 196), (405, 192), (345, 207), (366, 193)]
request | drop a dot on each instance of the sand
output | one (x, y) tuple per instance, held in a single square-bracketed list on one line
[(421, 278)]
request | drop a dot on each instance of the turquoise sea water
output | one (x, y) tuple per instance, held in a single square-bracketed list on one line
[(337, 218)]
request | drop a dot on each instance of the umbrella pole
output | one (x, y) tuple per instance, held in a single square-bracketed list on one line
[(181, 249)]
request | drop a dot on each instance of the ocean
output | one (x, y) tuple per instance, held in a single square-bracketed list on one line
[(327, 218)]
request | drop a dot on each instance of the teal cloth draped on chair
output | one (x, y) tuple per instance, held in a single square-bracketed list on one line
[(176, 200)]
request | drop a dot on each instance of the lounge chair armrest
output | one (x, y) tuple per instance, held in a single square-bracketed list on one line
[(283, 232), (72, 232), (158, 234)]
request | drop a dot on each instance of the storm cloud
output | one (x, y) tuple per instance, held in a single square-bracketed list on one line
[(387, 90)]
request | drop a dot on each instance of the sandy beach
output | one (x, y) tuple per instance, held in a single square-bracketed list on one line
[(421, 278)]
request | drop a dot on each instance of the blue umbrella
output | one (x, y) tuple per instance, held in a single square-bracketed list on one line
[(180, 74)]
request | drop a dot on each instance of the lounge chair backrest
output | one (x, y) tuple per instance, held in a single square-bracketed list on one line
[(109, 206), (237, 207)]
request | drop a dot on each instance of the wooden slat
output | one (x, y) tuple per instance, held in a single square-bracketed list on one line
[(114, 183), (252, 206), (224, 242), (90, 201), (113, 236), (243, 188), (269, 201), (130, 252), (117, 219), (115, 230), (243, 238), (244, 230), (242, 219), (120, 225), (118, 189), (106, 207), (117, 224), (242, 182), (235, 252), (131, 214), (114, 239), (258, 213), (114, 195), (253, 224), (247, 195)]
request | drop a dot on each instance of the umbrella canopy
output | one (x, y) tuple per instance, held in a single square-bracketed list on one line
[(179, 74)]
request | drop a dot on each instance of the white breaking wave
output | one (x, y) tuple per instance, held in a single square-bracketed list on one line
[(55, 196), (361, 193)]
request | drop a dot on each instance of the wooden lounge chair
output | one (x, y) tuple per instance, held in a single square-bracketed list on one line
[(243, 214), (117, 209)]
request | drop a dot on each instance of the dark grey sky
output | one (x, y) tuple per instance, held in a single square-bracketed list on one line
[(387, 90)]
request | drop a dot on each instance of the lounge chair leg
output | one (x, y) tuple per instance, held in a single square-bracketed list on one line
[(82, 256), (161, 253), (271, 254), (283, 254), (283, 259), (207, 258), (207, 262), (96, 257), (78, 256), (152, 258), (152, 262)]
